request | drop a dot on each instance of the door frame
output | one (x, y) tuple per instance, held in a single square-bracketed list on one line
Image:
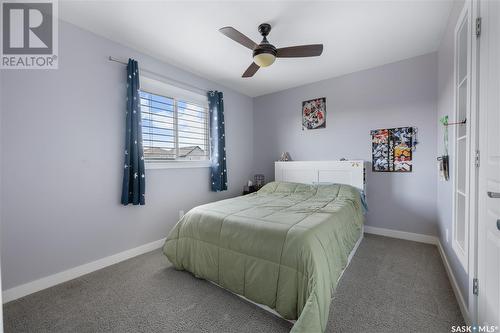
[(470, 265), (473, 166)]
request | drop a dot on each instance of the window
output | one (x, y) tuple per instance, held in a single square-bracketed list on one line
[(461, 135), (174, 125)]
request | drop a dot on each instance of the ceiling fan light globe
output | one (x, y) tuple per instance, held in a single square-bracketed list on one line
[(264, 59)]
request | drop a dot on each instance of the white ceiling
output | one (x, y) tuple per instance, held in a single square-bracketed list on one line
[(356, 35)]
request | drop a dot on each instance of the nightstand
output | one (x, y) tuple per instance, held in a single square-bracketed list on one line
[(249, 189)]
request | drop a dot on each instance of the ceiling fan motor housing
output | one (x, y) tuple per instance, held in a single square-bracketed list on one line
[(265, 48)]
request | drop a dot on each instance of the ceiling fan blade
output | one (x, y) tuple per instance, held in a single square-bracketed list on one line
[(312, 50), (251, 70), (238, 37)]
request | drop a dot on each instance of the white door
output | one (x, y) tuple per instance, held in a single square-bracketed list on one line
[(489, 171)]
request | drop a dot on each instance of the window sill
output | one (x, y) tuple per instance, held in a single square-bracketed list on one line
[(177, 165)]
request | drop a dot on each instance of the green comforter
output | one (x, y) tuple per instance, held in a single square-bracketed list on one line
[(284, 246)]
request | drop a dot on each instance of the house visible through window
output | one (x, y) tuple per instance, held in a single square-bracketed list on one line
[(174, 128)]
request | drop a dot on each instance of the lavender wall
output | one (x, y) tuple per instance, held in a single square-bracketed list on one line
[(398, 94), (445, 107), (62, 141)]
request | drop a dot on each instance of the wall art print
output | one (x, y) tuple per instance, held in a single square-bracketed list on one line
[(392, 149), (314, 113)]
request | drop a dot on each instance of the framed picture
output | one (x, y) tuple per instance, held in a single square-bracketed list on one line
[(314, 113), (392, 149)]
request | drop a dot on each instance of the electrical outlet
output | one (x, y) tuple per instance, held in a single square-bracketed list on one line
[(447, 239), (181, 214)]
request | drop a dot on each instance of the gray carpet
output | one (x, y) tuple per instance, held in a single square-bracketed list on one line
[(391, 286)]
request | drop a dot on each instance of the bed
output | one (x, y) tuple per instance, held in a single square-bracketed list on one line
[(283, 247)]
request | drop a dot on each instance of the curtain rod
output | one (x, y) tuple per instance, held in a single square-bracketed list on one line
[(203, 90)]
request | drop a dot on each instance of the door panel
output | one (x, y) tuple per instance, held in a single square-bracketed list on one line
[(489, 173)]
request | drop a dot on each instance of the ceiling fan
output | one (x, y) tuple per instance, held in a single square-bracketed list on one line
[(264, 54)]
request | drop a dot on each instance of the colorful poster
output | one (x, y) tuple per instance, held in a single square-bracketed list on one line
[(392, 149), (314, 113)]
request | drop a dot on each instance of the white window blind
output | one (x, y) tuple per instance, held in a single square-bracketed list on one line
[(174, 123)]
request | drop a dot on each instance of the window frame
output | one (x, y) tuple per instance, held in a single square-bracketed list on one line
[(156, 86)]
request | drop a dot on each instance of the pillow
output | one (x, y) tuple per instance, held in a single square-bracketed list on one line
[(362, 195)]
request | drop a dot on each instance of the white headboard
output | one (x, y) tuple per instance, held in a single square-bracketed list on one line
[(310, 172)]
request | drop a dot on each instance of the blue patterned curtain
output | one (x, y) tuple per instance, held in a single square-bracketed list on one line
[(217, 141), (134, 180)]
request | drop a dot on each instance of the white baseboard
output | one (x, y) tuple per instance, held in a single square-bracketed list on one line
[(72, 273), (402, 235), (458, 294), (428, 240)]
